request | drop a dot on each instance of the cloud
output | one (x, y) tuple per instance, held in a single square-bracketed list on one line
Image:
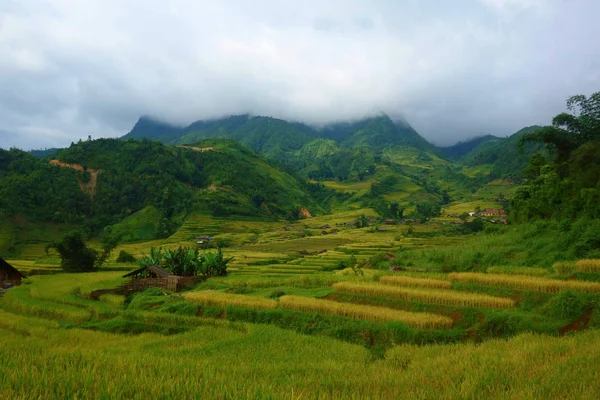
[(452, 69)]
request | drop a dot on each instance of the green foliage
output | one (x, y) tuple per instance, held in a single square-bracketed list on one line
[(428, 210), (507, 157), (126, 257), (31, 187), (570, 186), (566, 305), (185, 261)]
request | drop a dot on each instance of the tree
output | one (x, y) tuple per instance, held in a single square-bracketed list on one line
[(428, 210), (569, 131), (395, 210), (75, 256)]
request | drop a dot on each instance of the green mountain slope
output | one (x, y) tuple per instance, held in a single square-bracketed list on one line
[(502, 157), (276, 138), (100, 183), (376, 133), (461, 148)]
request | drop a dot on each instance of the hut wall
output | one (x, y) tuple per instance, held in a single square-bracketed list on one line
[(145, 283), (6, 278), (172, 283)]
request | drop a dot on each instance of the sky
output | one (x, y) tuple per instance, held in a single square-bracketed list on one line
[(453, 69)]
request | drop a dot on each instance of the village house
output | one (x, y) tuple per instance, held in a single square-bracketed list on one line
[(9, 275)]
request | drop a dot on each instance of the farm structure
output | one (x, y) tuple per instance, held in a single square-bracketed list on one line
[(155, 276), (9, 275)]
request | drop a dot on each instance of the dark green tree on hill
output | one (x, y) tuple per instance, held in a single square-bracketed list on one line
[(76, 256)]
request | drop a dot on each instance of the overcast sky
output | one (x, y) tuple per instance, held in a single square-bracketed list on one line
[(453, 69)]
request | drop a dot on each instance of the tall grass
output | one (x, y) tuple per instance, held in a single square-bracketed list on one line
[(415, 282), (526, 282), (590, 265), (370, 313), (444, 297), (219, 299), (42, 361)]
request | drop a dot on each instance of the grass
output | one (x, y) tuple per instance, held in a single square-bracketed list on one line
[(219, 299), (443, 297), (527, 283), (370, 313), (267, 362)]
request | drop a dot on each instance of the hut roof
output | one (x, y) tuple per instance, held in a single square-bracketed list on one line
[(7, 267), (155, 269)]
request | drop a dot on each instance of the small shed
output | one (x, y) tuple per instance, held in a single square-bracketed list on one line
[(149, 271), (9, 275), (155, 276)]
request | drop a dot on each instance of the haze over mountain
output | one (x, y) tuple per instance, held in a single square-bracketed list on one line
[(453, 69)]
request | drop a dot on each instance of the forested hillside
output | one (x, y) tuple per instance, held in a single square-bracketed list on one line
[(99, 183), (503, 157)]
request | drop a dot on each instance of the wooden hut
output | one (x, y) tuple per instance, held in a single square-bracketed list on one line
[(9, 275), (155, 276)]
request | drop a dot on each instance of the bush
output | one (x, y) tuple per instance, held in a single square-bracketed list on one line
[(566, 305), (126, 257)]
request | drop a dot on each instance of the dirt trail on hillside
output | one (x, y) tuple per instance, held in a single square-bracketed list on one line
[(200, 149), (89, 187)]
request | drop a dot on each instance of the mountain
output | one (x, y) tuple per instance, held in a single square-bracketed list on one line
[(276, 138), (271, 137), (149, 128), (99, 183), (502, 157), (41, 153), (461, 148), (376, 133)]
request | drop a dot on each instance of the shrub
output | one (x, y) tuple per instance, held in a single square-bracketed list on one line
[(126, 257), (566, 305)]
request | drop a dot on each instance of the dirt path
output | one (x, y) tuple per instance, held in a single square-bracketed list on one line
[(579, 325), (200, 149), (90, 186)]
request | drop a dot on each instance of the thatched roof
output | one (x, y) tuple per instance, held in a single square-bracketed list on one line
[(11, 271), (149, 270)]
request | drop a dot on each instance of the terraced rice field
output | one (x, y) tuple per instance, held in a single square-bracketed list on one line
[(418, 320), (526, 282), (442, 297)]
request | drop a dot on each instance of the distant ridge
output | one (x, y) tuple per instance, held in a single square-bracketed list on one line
[(463, 147)]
